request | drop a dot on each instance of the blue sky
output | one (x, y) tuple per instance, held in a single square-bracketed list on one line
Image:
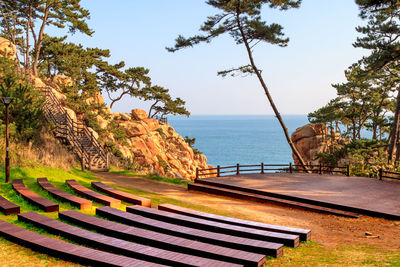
[(299, 76)]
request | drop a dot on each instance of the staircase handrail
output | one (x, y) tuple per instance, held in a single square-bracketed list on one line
[(74, 127)]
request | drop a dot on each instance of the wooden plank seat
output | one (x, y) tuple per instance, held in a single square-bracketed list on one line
[(122, 195), (251, 245), (304, 234), (90, 194), (64, 250), (7, 207), (223, 228), (79, 202), (163, 241), (35, 199), (116, 245)]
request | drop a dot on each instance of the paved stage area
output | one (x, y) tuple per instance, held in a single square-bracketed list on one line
[(358, 192)]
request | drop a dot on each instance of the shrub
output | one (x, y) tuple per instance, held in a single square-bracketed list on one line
[(26, 110)]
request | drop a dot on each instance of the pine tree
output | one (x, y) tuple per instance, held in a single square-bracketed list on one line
[(381, 36), (35, 15), (241, 19)]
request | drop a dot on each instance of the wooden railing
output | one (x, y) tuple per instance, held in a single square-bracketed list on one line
[(73, 131), (388, 174), (263, 168)]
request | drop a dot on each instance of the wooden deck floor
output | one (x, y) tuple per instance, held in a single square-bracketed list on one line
[(358, 194)]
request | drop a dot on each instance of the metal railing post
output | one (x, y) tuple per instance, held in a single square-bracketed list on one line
[(197, 173), (348, 170), (237, 169), (218, 171), (320, 168), (290, 167), (380, 173), (262, 167)]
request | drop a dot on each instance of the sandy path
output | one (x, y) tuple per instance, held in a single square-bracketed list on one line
[(328, 230)]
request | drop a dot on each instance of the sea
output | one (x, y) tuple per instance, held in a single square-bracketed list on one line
[(245, 139)]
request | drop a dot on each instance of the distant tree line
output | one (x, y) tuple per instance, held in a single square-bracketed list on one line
[(370, 98)]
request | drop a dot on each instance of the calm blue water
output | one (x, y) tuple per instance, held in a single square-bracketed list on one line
[(244, 139)]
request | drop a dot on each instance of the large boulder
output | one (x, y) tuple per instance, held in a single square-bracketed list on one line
[(102, 122), (152, 124), (312, 139), (7, 48), (139, 114), (71, 113), (119, 116), (135, 129)]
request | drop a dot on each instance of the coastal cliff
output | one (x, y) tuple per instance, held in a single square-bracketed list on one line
[(149, 145), (141, 143)]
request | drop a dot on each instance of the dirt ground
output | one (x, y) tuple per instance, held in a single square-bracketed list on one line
[(328, 230)]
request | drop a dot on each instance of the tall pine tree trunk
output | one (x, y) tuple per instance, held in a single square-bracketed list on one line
[(271, 101), (394, 134)]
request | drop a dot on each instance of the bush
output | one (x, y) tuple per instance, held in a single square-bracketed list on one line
[(26, 110)]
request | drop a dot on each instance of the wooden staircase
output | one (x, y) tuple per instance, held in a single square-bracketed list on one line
[(75, 134)]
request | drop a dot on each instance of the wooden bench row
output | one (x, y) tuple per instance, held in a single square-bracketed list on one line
[(90, 194), (64, 250), (8, 207), (245, 244), (32, 197), (217, 227), (116, 245), (122, 195), (79, 202), (163, 241), (304, 234)]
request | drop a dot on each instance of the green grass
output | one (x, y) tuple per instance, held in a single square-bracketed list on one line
[(154, 177), (308, 254), (313, 254)]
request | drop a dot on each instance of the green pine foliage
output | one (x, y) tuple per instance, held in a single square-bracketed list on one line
[(25, 112)]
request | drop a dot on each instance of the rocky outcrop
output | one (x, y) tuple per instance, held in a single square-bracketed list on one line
[(7, 48), (312, 139), (156, 147), (153, 145)]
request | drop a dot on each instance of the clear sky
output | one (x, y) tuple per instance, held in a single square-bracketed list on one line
[(299, 76)]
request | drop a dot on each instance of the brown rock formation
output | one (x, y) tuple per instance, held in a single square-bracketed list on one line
[(139, 114), (155, 146), (312, 139), (7, 48)]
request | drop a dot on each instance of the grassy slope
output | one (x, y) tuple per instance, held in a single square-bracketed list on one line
[(309, 253)]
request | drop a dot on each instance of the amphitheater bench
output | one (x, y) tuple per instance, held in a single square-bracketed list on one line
[(304, 234), (35, 199), (64, 250), (223, 228), (122, 195), (8, 207), (64, 196), (163, 241), (115, 245), (86, 192), (250, 245)]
